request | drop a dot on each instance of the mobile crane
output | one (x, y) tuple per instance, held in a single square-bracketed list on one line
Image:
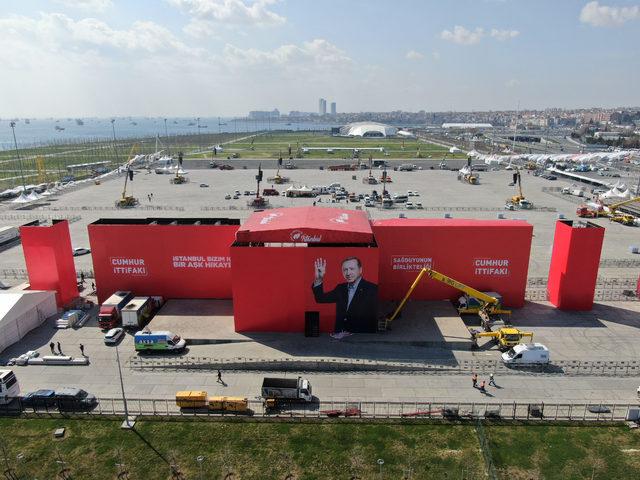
[(505, 337), (519, 200), (128, 201), (179, 179), (485, 305), (610, 211)]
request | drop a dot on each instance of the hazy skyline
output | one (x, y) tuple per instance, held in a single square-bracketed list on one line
[(226, 57)]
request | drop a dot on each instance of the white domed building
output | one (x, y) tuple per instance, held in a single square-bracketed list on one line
[(368, 130)]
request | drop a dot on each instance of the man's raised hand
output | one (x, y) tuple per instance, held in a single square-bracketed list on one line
[(321, 268)]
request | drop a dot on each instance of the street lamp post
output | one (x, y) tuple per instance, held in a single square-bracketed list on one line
[(115, 148), (166, 136), (126, 424), (15, 142)]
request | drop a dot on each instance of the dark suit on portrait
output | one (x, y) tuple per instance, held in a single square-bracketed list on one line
[(362, 314)]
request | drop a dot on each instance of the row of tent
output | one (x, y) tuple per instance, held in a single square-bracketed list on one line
[(541, 158)]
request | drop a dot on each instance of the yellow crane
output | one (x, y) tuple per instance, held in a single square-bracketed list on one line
[(623, 218), (475, 301), (505, 337), (128, 201), (519, 200)]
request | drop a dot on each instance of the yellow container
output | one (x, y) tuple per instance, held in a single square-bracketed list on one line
[(229, 404), (191, 399)]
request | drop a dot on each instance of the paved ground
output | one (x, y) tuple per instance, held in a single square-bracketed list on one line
[(610, 332), (440, 192)]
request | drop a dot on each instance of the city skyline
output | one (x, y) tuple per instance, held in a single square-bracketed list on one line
[(226, 57)]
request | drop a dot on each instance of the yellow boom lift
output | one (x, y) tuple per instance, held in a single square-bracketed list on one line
[(128, 201), (623, 218), (484, 305), (475, 301), (519, 200)]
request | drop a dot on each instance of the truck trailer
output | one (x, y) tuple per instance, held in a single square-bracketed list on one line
[(110, 315), (137, 312)]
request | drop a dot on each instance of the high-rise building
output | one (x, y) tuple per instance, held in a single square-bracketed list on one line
[(333, 108), (322, 106)]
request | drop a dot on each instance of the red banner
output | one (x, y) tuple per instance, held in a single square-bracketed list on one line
[(174, 261), (488, 255)]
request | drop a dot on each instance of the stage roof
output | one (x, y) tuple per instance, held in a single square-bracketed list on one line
[(448, 222), (307, 225)]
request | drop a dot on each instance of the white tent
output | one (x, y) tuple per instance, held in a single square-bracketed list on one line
[(21, 311)]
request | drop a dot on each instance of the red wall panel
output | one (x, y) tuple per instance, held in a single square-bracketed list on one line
[(575, 260), (485, 254), (175, 261), (49, 259), (272, 285)]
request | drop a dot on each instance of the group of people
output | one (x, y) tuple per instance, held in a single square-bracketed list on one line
[(53, 346), (482, 386), (150, 196)]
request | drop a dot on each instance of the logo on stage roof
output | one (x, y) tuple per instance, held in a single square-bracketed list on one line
[(342, 218), (269, 217), (299, 236)]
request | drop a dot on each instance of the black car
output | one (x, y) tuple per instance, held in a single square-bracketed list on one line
[(74, 399), (39, 399)]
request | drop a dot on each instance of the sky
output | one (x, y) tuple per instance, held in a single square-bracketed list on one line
[(226, 57)]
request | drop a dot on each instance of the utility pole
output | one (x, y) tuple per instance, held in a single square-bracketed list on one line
[(166, 135), (15, 142), (115, 147), (126, 424)]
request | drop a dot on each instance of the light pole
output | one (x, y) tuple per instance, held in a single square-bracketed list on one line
[(126, 424), (15, 142), (200, 460), (115, 148), (380, 462), (166, 135)]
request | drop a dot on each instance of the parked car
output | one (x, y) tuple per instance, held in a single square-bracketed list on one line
[(204, 185), (418, 205), (113, 336), (39, 399), (74, 399), (227, 197), (236, 197), (80, 251)]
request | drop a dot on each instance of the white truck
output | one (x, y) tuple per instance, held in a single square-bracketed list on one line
[(278, 391), (526, 354), (137, 312)]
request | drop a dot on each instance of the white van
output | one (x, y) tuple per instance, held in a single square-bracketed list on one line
[(526, 354)]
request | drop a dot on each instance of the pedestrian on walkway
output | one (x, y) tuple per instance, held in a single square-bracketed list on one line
[(59, 349), (82, 350), (93, 286), (51, 345), (491, 380), (482, 388), (474, 379), (82, 278), (219, 377)]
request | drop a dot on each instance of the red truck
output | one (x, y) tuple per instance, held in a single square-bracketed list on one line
[(110, 315)]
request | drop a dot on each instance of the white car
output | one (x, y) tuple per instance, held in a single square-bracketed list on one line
[(80, 251), (419, 205), (410, 206), (113, 336)]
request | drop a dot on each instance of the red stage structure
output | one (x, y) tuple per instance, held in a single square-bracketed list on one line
[(174, 258), (574, 264), (273, 265), (489, 255), (48, 255)]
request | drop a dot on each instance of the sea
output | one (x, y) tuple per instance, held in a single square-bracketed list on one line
[(43, 131)]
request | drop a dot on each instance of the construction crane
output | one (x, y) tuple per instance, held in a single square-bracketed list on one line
[(519, 200), (179, 179), (506, 337), (128, 201), (610, 211), (474, 301)]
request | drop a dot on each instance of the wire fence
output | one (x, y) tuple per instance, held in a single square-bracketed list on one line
[(435, 410), (486, 451), (630, 368), (42, 218)]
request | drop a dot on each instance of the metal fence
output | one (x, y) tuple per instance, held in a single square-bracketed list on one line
[(629, 368), (21, 273), (25, 217), (435, 410), (486, 451)]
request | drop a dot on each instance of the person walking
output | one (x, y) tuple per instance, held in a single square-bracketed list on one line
[(482, 388), (219, 377), (82, 350), (51, 346), (492, 380), (82, 278), (93, 286), (474, 379), (59, 349)]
